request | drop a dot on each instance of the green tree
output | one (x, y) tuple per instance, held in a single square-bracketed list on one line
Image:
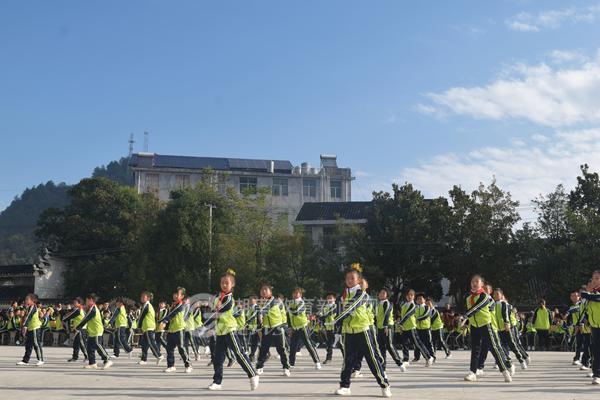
[(96, 232)]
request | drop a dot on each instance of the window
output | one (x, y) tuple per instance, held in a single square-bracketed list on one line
[(151, 182), (309, 188), (247, 184), (280, 187), (182, 181), (221, 183), (336, 189)]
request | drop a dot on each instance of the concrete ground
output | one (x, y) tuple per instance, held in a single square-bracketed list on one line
[(551, 376)]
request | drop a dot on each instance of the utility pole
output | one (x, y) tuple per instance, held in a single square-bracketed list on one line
[(145, 141), (131, 142)]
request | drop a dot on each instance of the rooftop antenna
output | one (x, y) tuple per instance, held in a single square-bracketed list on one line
[(145, 141), (131, 142)]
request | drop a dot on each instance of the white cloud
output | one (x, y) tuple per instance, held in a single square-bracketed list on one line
[(526, 168), (542, 94), (551, 19), (566, 56)]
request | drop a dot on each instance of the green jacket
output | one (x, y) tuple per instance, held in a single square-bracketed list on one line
[(593, 307), (147, 320), (542, 319), (273, 314), (93, 320), (327, 315), (423, 316), (408, 321), (32, 319), (298, 318), (354, 315), (175, 317), (223, 308), (478, 309), (385, 314)]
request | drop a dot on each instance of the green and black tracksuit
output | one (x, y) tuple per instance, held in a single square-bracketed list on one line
[(95, 329), (147, 325), (33, 336), (299, 323), (542, 320), (385, 331), (423, 317), (120, 337), (437, 332), (408, 324), (252, 324), (593, 316), (502, 311), (357, 339), (573, 318), (497, 342), (175, 335), (226, 339), (80, 336), (272, 317), (326, 316), (482, 334), (159, 332)]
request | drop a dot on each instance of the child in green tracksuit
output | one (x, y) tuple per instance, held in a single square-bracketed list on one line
[(298, 324), (159, 332), (71, 321), (120, 323), (225, 329), (147, 325), (407, 322), (95, 329), (175, 335), (272, 318), (480, 325), (592, 297), (357, 338), (326, 316), (437, 329), (32, 332), (423, 316), (542, 320), (190, 328), (385, 329), (502, 311)]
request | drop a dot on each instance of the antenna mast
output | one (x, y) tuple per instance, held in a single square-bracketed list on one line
[(131, 142), (145, 141)]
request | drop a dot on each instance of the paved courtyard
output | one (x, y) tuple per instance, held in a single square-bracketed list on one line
[(550, 377)]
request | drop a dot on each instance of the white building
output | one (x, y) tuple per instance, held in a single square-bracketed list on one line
[(290, 186)]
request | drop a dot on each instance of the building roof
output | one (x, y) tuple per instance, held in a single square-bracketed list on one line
[(17, 269), (153, 160), (329, 211)]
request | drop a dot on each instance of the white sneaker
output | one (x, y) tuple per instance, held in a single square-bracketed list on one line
[(479, 372), (107, 364), (576, 362), (170, 369), (471, 377), (584, 368), (596, 381), (22, 363), (386, 392), (254, 382), (590, 374), (113, 356), (207, 350), (159, 359), (299, 354), (142, 362), (523, 365), (357, 374), (214, 386), (260, 371), (406, 363), (449, 356), (286, 372), (507, 377), (318, 365), (39, 363), (343, 392), (188, 370), (512, 370), (429, 362), (403, 367), (91, 366)]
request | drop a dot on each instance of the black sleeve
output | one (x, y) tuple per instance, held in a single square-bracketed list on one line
[(87, 317)]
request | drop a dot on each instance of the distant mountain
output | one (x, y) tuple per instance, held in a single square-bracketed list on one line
[(18, 221)]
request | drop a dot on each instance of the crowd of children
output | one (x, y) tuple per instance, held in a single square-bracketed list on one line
[(361, 327)]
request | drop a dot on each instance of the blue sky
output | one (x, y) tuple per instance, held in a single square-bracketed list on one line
[(431, 92)]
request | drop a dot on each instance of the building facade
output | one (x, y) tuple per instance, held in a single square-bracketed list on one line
[(290, 186)]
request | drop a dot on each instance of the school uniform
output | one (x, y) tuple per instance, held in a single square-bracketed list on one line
[(226, 338), (33, 335), (273, 319), (299, 323), (147, 324)]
